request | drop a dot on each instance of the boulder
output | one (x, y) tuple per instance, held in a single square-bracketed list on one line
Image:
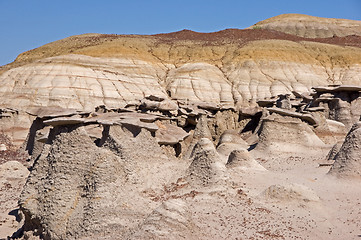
[(225, 149), (3, 147)]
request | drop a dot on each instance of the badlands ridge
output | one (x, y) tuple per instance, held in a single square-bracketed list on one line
[(237, 134)]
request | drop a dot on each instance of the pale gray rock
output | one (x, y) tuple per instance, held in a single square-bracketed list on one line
[(206, 167), (74, 183), (225, 149), (347, 160), (58, 199), (232, 136), (3, 147)]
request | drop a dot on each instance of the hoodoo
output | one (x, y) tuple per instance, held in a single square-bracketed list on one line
[(185, 135)]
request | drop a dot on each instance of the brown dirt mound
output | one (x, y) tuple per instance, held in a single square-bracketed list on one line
[(248, 35)]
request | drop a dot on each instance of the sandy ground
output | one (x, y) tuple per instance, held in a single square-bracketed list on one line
[(239, 209), (12, 179)]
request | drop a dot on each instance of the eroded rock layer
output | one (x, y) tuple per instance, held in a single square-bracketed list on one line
[(186, 135), (230, 68)]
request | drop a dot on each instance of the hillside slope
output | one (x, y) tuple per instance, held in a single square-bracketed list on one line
[(311, 27), (231, 68)]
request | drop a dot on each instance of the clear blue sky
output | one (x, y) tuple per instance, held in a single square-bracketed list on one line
[(27, 24)]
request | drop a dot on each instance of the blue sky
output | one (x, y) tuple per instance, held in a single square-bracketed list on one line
[(27, 24)]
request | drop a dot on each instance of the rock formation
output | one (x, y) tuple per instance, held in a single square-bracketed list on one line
[(347, 160), (282, 134), (206, 167), (241, 159), (227, 69), (185, 135)]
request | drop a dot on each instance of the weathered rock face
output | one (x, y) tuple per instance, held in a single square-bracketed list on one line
[(342, 103), (347, 160), (227, 69), (76, 181), (65, 184)]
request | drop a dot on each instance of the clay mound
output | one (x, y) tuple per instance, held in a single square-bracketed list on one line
[(347, 160), (226, 148), (290, 192), (206, 167), (231, 140), (311, 27), (287, 135), (241, 159), (232, 136)]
